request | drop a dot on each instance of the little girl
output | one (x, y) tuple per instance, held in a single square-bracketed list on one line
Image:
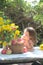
[(30, 39)]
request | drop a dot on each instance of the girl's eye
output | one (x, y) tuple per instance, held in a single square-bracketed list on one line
[(26, 34)]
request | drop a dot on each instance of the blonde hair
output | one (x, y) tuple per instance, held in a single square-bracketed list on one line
[(32, 33)]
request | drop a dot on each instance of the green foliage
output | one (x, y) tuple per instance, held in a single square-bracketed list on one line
[(16, 10), (41, 0), (2, 4), (39, 12)]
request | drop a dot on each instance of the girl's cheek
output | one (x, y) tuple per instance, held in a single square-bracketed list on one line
[(22, 38)]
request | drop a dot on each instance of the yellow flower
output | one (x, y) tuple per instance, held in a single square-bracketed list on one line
[(41, 47), (10, 29), (17, 32), (6, 27), (3, 27), (15, 36), (1, 22), (1, 19), (4, 44), (12, 25), (0, 29)]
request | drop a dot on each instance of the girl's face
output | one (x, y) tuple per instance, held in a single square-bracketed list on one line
[(26, 35)]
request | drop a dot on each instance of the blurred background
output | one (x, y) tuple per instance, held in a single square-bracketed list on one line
[(24, 13)]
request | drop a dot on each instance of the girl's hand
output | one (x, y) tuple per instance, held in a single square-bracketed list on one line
[(30, 45)]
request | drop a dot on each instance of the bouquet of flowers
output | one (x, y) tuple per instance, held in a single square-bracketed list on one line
[(8, 31)]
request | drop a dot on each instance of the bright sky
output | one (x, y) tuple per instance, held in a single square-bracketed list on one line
[(33, 2)]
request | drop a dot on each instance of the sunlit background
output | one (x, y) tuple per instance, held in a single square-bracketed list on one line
[(33, 2)]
